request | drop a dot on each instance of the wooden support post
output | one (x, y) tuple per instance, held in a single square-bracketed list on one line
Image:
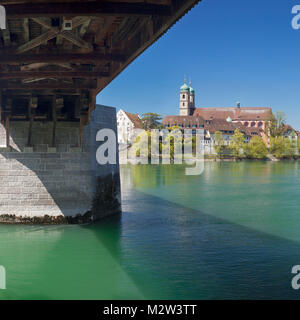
[(80, 130), (8, 107), (30, 116), (83, 107), (92, 105), (32, 105), (1, 107), (54, 119), (7, 122)]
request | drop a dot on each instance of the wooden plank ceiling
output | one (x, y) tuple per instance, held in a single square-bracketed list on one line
[(70, 50)]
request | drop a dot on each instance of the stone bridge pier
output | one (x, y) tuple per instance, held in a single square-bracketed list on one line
[(59, 183)]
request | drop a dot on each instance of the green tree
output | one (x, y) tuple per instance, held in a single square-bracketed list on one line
[(256, 148), (237, 144), (289, 148), (276, 124), (277, 146), (219, 143), (151, 120), (282, 147)]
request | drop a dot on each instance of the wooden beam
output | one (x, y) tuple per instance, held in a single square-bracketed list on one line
[(8, 107), (53, 74), (81, 125), (52, 33), (7, 123), (44, 86), (33, 66), (1, 106), (84, 28), (62, 57), (26, 29), (31, 111), (6, 36), (68, 35), (91, 8), (54, 119), (44, 22), (42, 39)]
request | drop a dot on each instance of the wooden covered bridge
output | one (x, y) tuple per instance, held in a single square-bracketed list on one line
[(55, 57)]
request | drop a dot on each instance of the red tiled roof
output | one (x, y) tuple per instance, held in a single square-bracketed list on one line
[(135, 119), (288, 127), (241, 114), (230, 127), (185, 121)]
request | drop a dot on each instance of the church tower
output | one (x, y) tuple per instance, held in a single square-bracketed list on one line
[(184, 99), (187, 100), (192, 101)]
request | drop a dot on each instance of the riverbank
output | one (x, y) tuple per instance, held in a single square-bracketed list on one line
[(211, 158)]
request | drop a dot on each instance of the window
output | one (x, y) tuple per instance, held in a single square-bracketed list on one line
[(183, 96), (183, 104)]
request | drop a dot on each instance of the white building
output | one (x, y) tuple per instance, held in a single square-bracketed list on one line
[(126, 123)]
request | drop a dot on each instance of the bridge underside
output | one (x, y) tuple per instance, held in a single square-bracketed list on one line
[(55, 57)]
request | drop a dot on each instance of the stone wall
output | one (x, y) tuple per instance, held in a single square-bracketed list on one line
[(55, 185)]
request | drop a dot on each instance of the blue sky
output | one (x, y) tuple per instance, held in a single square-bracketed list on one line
[(232, 50)]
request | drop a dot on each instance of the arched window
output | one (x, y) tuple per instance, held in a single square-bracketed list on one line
[(183, 96), (246, 124), (260, 124), (253, 124), (183, 104)]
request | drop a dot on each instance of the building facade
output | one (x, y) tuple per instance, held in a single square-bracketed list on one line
[(251, 121), (127, 123)]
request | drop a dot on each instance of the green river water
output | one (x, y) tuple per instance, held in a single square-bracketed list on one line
[(231, 233)]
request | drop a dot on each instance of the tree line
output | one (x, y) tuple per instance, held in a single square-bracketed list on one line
[(276, 143)]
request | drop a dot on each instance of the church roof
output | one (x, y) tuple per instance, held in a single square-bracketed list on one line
[(182, 120), (135, 119), (238, 114), (185, 87)]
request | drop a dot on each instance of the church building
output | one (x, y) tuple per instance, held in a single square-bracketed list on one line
[(249, 120), (187, 100)]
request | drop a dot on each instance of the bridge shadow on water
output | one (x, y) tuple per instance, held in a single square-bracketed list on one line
[(157, 250)]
